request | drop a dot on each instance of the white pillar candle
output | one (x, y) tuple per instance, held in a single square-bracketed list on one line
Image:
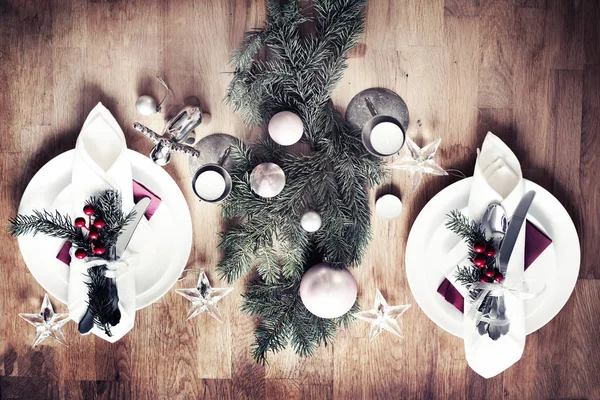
[(210, 185), (387, 138)]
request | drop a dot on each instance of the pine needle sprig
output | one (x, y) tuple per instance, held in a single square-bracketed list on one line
[(468, 230), (467, 275), (99, 300), (109, 207), (47, 223)]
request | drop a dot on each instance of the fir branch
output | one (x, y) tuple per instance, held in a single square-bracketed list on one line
[(99, 300), (245, 53), (44, 222), (109, 207), (468, 230), (467, 276), (267, 264)]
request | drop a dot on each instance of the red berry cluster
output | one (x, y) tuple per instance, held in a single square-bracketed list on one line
[(483, 252), (93, 228)]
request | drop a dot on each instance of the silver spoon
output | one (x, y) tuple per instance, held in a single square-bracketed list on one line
[(494, 221)]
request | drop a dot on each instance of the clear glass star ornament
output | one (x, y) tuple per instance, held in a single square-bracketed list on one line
[(419, 161), (47, 323), (383, 317), (204, 297)]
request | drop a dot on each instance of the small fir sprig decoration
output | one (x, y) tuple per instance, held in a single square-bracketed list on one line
[(106, 208), (100, 300), (47, 223), (265, 235), (481, 254)]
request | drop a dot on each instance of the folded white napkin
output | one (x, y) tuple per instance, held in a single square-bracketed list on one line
[(497, 178), (101, 163)]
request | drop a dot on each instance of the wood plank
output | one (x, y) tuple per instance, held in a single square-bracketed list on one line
[(589, 164), (463, 47), (217, 389), (405, 22), (532, 3), (565, 370), (348, 367), (282, 389), (591, 35), (316, 392), (564, 32), (530, 90), (565, 106), (109, 390), (462, 8), (27, 388), (496, 41)]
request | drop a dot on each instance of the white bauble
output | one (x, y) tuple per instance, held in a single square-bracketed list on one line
[(328, 292), (146, 105), (388, 207), (310, 221), (285, 128), (267, 180)]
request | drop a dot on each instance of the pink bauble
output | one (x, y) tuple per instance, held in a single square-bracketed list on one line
[(328, 292), (285, 128)]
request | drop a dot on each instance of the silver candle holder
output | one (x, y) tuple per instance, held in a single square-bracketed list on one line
[(218, 168), (375, 120), (372, 107)]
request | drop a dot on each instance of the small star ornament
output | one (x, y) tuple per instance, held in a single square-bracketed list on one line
[(383, 317), (47, 323), (419, 161), (204, 297)]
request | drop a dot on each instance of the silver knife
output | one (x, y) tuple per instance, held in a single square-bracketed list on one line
[(514, 228), (129, 229)]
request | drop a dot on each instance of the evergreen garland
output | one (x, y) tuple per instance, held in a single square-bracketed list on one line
[(108, 207), (298, 74)]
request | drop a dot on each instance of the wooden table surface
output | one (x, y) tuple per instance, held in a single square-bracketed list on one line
[(527, 70)]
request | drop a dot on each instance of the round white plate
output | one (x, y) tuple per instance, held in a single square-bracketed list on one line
[(429, 240), (162, 262)]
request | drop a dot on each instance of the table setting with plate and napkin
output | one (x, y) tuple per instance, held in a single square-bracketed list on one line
[(537, 259), (152, 248)]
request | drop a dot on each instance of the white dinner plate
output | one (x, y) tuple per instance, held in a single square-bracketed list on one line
[(429, 241), (163, 261)]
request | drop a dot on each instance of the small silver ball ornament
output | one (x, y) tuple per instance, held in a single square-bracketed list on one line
[(146, 105), (311, 221), (267, 180)]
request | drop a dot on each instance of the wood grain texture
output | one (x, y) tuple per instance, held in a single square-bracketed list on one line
[(527, 70)]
